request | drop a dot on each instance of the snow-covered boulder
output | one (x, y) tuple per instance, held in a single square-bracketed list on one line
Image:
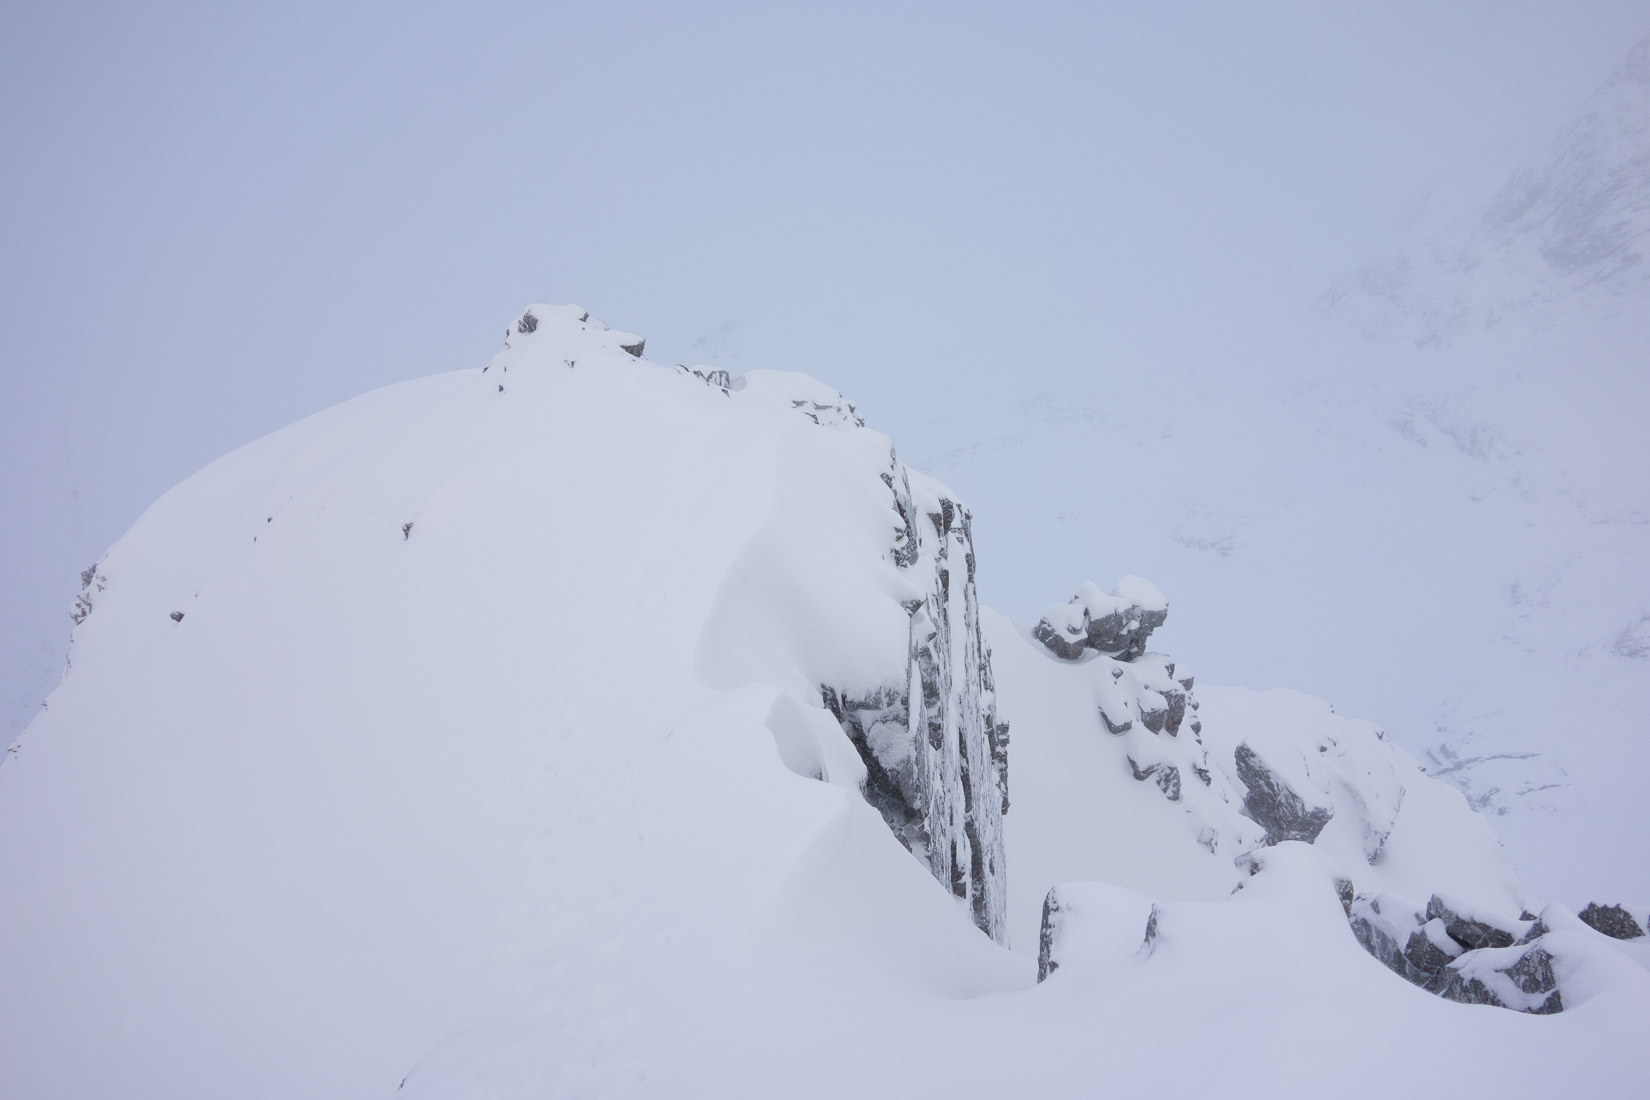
[(1117, 623)]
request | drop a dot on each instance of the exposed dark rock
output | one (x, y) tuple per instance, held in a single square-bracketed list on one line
[(1382, 932), (177, 616), (1065, 638), (1531, 985), (1612, 920), (1470, 930), (1343, 890), (1537, 929), (1046, 962), (1456, 986), (1166, 776), (1140, 773), (1168, 781), (1115, 727), (1177, 711), (1433, 956), (527, 323), (1273, 805), (1116, 624), (634, 349), (91, 583), (1533, 975), (1428, 952)]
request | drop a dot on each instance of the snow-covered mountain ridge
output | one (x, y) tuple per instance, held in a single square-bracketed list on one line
[(584, 726)]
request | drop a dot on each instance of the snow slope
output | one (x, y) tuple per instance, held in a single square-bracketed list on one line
[(466, 740)]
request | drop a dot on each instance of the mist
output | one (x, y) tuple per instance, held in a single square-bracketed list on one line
[(216, 222)]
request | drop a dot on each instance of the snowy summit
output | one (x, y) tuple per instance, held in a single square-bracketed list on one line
[(578, 725)]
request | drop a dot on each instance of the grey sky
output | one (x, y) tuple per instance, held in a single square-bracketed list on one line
[(215, 220)]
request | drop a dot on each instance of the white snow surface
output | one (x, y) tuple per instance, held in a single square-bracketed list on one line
[(536, 797)]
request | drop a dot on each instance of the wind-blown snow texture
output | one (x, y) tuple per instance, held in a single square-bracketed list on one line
[(469, 739)]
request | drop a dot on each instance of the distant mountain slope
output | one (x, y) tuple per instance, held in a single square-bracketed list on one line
[(1567, 233)]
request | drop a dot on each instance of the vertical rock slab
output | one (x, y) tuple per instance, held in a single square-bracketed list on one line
[(935, 750)]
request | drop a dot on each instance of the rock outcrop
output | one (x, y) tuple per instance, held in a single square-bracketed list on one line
[(1116, 624), (1276, 806), (1460, 953), (935, 751), (92, 581), (1615, 921)]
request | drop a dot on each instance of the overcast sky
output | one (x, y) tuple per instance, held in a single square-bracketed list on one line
[(215, 220)]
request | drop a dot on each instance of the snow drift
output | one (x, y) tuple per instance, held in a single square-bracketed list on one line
[(577, 725)]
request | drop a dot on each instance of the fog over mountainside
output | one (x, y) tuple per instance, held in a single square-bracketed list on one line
[(1564, 238), (579, 724), (1428, 505), (1118, 567)]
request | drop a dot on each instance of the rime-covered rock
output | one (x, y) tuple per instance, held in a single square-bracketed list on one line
[(936, 753)]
